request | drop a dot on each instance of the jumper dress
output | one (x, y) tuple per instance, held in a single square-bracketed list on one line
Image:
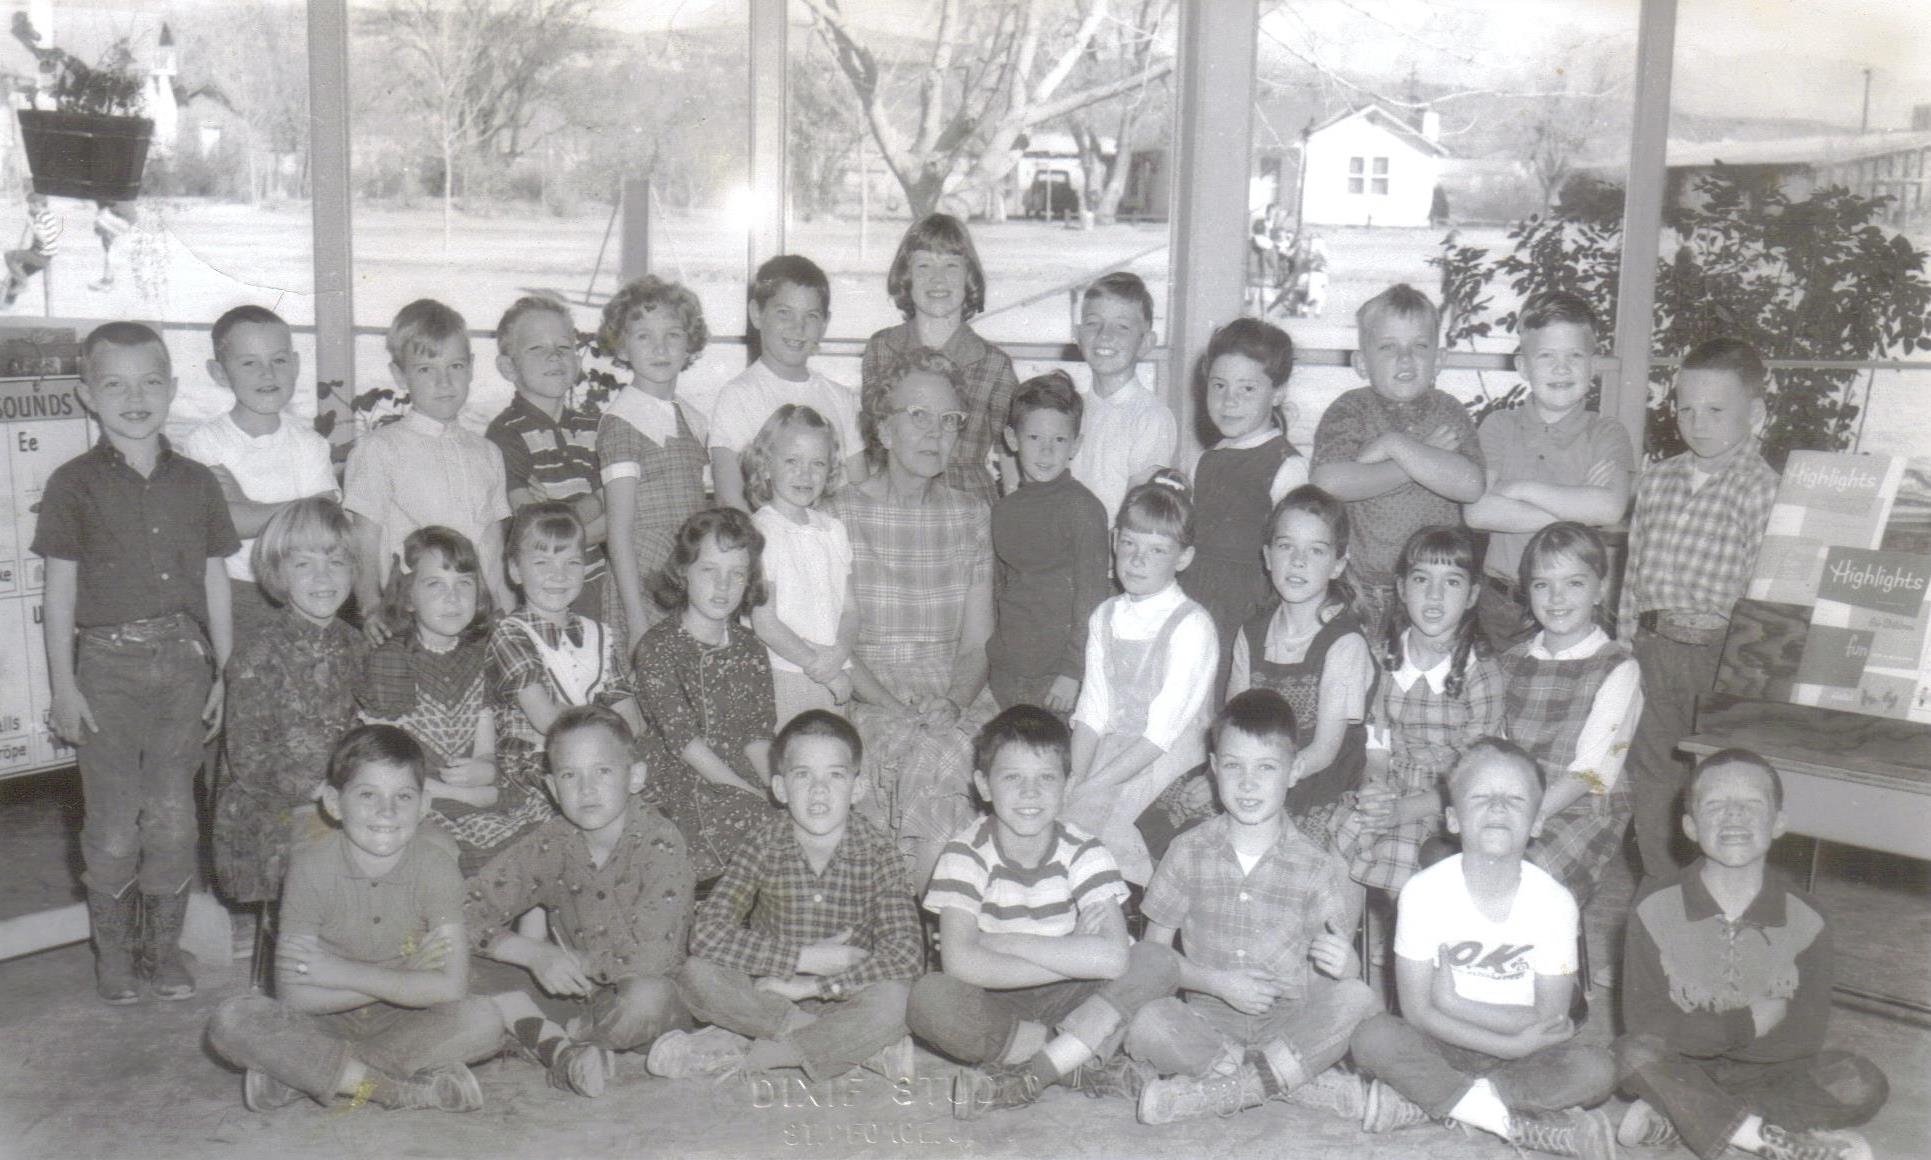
[(1231, 506), (1134, 674), (1312, 800), (670, 490)]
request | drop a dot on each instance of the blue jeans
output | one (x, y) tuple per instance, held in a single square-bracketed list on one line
[(1185, 1038), (832, 1037), (310, 1052), (145, 684), (626, 1015), (976, 1025), (1708, 1099), (1437, 1075), (1674, 674)]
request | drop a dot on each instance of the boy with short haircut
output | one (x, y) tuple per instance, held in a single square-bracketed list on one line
[(790, 307), (1127, 432), (1255, 902), (549, 447), (1049, 540), (1550, 459), (810, 942), (1693, 540), (137, 630), (1485, 966), (1038, 984), (1400, 453), (426, 467), (263, 455), (615, 883), (1726, 993), (371, 965), (43, 237)]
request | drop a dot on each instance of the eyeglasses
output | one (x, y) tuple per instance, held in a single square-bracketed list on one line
[(950, 422)]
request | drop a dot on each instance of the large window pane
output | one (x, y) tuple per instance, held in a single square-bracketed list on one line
[(1053, 201)]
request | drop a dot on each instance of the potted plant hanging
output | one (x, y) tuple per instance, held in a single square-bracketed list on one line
[(92, 144)]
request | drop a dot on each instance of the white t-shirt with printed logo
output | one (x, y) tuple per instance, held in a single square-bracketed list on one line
[(1490, 962)]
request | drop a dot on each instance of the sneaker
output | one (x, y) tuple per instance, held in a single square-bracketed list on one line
[(1575, 1132), (1183, 1097), (1383, 1109), (978, 1090), (711, 1051), (896, 1062), (1817, 1144), (1118, 1076), (449, 1089), (1644, 1127), (261, 1092), (1334, 1090), (582, 1068)]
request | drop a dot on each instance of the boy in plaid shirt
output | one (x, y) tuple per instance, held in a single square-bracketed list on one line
[(1256, 902), (1693, 542), (810, 942)]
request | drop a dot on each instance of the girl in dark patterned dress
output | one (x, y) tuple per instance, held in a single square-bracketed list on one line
[(1438, 693), (291, 693), (704, 685), (1241, 384), (650, 446), (428, 679), (1573, 697)]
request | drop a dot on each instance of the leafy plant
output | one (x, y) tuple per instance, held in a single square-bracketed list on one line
[(112, 87), (1814, 279)]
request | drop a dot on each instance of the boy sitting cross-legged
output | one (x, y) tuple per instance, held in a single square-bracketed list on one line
[(615, 883), (1726, 991), (1255, 901), (1485, 965), (810, 942), (1038, 982), (371, 965)]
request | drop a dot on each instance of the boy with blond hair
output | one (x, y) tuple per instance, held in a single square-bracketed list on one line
[(426, 467)]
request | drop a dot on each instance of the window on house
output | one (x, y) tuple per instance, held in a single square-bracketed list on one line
[(1356, 166), (1380, 185)]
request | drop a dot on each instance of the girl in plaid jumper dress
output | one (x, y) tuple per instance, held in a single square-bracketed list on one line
[(650, 448), (427, 678), (1440, 691), (1572, 699)]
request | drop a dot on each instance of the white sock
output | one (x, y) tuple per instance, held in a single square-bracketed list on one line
[(1481, 1108), (1067, 1052)]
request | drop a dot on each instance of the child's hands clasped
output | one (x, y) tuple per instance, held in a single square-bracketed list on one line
[(833, 956), (1248, 990), (470, 771)]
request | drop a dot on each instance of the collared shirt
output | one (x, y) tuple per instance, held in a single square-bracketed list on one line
[(141, 543), (1053, 557), (1264, 918), (746, 402), (588, 668), (630, 916), (808, 567), (1603, 742), (1692, 974), (654, 418), (1692, 549), (418, 471), (379, 920), (1426, 732), (1179, 694), (557, 455), (770, 904), (290, 462), (1122, 437), (973, 874), (987, 385), (1520, 446), (1379, 525)]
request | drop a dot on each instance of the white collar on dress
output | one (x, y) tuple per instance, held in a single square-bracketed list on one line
[(654, 418), (1437, 677), (1586, 647)]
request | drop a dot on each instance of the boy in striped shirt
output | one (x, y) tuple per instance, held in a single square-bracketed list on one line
[(43, 237), (1038, 981)]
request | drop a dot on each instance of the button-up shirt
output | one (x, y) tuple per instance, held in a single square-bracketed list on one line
[(1520, 446), (1693, 539), (557, 455), (629, 916), (419, 471), (141, 543), (770, 904), (1264, 918)]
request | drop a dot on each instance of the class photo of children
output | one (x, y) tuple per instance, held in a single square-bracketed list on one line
[(624, 578)]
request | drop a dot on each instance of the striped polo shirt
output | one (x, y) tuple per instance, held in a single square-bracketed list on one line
[(972, 874)]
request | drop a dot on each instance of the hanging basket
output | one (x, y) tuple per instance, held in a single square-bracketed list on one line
[(86, 155)]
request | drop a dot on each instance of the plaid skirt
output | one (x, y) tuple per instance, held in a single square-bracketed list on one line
[(921, 778), (1576, 844)]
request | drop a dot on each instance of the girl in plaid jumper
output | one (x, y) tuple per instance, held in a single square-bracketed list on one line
[(1440, 692), (1572, 699)]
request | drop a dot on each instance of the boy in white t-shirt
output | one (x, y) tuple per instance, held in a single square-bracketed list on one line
[(790, 307), (1485, 968), (263, 455)]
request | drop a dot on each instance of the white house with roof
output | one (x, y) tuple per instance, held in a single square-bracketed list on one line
[(1372, 167)]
